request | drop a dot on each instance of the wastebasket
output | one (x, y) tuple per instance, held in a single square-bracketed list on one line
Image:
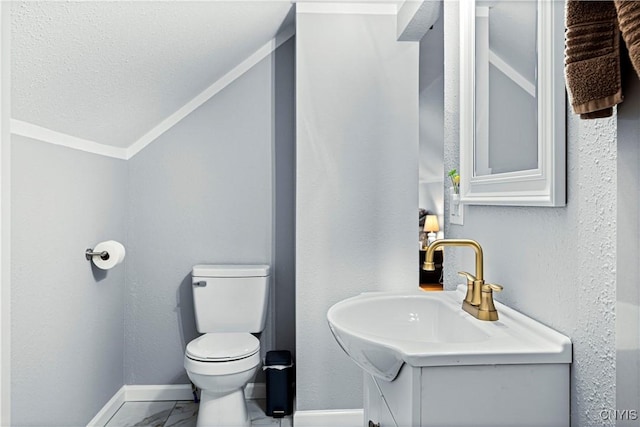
[(278, 366)]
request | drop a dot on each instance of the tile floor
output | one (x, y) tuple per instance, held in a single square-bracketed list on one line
[(182, 414)]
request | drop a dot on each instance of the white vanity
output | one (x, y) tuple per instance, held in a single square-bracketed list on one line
[(428, 363)]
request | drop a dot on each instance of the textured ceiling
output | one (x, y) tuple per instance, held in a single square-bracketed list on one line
[(110, 71)]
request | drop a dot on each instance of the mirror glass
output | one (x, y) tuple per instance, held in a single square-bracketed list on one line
[(512, 106), (506, 87), (431, 147)]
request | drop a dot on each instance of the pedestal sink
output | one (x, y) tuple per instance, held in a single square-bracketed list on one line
[(424, 343), (380, 331)]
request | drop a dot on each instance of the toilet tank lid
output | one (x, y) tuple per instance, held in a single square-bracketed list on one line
[(230, 270)]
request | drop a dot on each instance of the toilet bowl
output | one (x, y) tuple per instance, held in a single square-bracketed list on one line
[(220, 365), (229, 302)]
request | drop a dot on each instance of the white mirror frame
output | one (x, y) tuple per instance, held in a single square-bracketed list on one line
[(546, 185)]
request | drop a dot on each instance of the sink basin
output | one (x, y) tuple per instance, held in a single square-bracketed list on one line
[(381, 331)]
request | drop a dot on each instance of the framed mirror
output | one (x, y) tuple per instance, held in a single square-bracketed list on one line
[(512, 103)]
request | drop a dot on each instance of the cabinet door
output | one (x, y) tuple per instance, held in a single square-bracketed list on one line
[(400, 406)]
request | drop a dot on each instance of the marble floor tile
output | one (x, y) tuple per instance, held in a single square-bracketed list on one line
[(256, 410), (185, 414), (147, 414)]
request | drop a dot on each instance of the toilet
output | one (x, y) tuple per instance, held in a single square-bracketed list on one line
[(230, 303)]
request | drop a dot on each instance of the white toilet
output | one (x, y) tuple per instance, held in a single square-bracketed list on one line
[(230, 302)]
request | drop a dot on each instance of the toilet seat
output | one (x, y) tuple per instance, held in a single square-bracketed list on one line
[(222, 347), (222, 368)]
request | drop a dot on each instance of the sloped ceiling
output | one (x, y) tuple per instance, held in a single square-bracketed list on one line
[(109, 72)]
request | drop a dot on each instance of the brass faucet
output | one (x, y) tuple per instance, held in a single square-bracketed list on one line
[(479, 299)]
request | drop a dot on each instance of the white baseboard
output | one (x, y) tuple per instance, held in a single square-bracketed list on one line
[(137, 393), (142, 393), (109, 409), (151, 393), (329, 418)]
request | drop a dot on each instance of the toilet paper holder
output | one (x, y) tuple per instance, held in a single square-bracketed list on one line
[(89, 254)]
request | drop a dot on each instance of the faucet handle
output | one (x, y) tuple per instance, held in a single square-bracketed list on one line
[(488, 287), (470, 277), (487, 310)]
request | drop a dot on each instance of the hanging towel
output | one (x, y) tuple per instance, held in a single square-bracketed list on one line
[(592, 59), (629, 20)]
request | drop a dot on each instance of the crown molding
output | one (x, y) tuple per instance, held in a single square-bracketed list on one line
[(30, 130), (209, 92), (373, 8)]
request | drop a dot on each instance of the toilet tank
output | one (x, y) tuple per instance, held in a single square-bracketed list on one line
[(230, 298)]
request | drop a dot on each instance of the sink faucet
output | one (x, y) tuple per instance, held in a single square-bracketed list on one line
[(479, 299)]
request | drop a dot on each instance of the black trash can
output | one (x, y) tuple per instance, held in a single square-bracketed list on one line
[(278, 366)]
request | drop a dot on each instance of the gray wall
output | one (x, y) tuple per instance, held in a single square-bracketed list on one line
[(67, 316), (215, 188), (558, 265), (357, 168), (628, 250), (431, 161)]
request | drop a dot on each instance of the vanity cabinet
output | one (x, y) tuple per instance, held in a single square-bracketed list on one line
[(520, 395)]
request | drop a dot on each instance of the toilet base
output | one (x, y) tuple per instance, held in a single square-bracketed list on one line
[(227, 411)]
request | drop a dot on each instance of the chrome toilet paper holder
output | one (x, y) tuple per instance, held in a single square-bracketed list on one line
[(89, 254)]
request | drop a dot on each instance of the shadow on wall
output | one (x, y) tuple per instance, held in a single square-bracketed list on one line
[(283, 298), (186, 319), (98, 273)]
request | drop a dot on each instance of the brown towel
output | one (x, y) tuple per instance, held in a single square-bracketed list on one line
[(592, 60), (629, 20)]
